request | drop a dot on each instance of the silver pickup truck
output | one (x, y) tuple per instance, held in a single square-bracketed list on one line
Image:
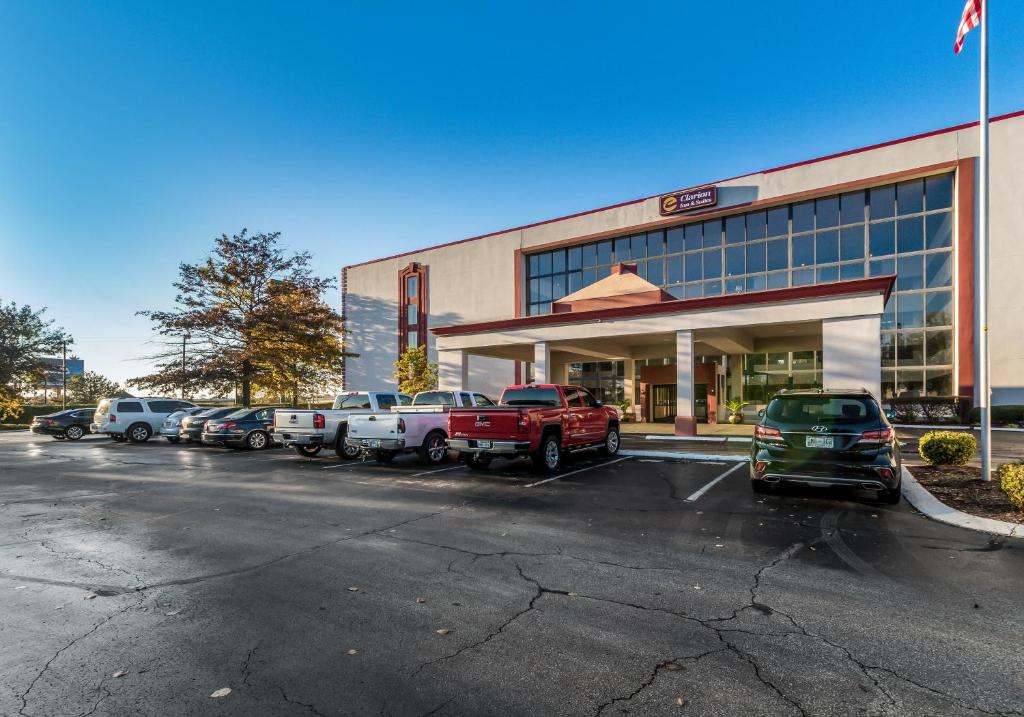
[(310, 431)]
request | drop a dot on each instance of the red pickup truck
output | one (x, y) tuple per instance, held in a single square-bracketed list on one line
[(541, 421)]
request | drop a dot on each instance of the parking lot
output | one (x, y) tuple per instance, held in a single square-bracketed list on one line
[(140, 579)]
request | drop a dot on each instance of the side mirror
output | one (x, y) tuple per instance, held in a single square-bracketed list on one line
[(761, 413), (598, 404)]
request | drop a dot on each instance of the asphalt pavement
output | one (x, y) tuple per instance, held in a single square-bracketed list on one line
[(144, 579)]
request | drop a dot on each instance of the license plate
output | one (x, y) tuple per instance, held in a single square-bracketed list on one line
[(483, 444), (372, 443), (820, 442)]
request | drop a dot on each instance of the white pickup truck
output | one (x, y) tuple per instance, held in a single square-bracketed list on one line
[(421, 427), (310, 431)]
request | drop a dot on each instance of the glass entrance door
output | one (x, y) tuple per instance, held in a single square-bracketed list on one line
[(664, 402)]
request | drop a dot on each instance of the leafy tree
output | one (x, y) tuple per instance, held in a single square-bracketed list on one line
[(255, 316), (26, 337), (90, 387), (414, 372)]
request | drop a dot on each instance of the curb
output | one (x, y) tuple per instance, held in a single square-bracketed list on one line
[(697, 439), (682, 456), (919, 497)]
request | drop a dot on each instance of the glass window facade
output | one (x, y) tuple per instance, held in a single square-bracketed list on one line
[(904, 229)]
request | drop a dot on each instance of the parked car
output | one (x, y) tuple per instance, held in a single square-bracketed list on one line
[(192, 426), (826, 438), (71, 424), (134, 419), (248, 427), (309, 431), (171, 427), (542, 421), (421, 427)]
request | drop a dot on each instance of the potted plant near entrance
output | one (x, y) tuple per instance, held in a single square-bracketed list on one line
[(735, 407)]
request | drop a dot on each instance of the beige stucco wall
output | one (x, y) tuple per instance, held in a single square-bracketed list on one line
[(475, 280)]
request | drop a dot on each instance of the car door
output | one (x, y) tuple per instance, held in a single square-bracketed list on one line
[(576, 416), (594, 422)]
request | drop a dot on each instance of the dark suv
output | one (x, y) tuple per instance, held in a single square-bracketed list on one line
[(826, 438)]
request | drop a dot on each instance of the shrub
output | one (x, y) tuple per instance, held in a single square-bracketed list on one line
[(947, 448), (1001, 415), (1011, 480)]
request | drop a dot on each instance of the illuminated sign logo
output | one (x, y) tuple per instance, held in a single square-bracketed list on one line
[(690, 199)]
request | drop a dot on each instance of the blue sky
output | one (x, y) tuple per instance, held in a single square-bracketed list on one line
[(132, 134)]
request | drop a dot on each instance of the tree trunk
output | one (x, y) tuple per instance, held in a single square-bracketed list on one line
[(246, 383), (295, 395)]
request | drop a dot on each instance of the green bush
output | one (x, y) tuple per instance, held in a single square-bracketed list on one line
[(1001, 415), (32, 411), (947, 448), (1011, 480)]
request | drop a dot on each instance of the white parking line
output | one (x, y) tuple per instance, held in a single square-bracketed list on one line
[(346, 465), (572, 473), (710, 485), (438, 470)]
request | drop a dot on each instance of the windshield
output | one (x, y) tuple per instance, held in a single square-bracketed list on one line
[(530, 397), (240, 413), (434, 398), (822, 409)]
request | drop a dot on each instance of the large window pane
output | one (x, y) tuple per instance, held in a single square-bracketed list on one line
[(712, 264), (712, 288), (558, 261), (938, 270), (622, 249), (778, 221), (803, 250), (674, 269), (851, 243), (910, 197), (756, 283), (910, 234), (910, 348), (882, 238), (939, 192), (534, 290), (734, 286), (909, 311), (826, 247), (544, 289), (734, 262), (694, 290), (604, 252), (545, 264), (882, 201), (909, 272), (756, 227), (852, 208), (938, 230), (939, 308), (888, 349), (558, 287), (803, 217), (693, 267), (676, 240), (655, 243), (589, 277), (938, 382), (656, 271), (827, 274), (756, 257), (883, 267), (575, 281), (693, 235), (778, 254), (889, 315), (534, 265), (575, 258), (851, 271), (802, 277), (827, 212), (589, 255), (888, 383), (734, 230), (713, 233), (909, 383), (778, 280), (938, 347)]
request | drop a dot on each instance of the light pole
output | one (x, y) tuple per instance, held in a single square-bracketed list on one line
[(184, 338)]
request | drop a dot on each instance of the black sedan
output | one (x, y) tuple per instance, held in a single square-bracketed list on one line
[(826, 438), (248, 427), (71, 424), (192, 426)]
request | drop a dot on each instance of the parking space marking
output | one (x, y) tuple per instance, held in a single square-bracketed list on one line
[(572, 473), (437, 470), (712, 484)]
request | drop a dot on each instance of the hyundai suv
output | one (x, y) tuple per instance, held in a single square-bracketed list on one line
[(826, 438), (134, 419)]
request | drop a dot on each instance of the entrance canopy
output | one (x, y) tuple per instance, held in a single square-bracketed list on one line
[(843, 319)]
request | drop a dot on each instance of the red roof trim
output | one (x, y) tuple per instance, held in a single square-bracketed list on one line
[(875, 284), (846, 153)]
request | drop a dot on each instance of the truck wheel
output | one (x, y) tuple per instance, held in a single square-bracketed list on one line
[(611, 442), (384, 457), (307, 451), (548, 458), (342, 449), (117, 437), (139, 433), (433, 452), (478, 461), (173, 439)]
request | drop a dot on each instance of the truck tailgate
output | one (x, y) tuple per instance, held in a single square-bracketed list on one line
[(496, 422), (293, 420), (381, 425)]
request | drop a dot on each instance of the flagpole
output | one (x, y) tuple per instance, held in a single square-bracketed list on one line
[(984, 389)]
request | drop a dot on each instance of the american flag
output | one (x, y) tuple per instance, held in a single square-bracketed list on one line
[(970, 20)]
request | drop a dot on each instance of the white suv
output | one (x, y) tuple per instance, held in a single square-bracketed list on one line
[(134, 419)]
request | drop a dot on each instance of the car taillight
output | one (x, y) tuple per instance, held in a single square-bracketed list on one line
[(883, 435), (401, 425), (523, 424), (319, 421), (767, 433), (113, 418)]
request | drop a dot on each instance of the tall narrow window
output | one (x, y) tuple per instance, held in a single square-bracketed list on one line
[(412, 314)]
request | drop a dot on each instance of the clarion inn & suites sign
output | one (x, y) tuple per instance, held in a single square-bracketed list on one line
[(686, 200)]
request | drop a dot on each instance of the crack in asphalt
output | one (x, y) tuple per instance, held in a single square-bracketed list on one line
[(136, 576), (23, 697), (653, 676), (312, 708)]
